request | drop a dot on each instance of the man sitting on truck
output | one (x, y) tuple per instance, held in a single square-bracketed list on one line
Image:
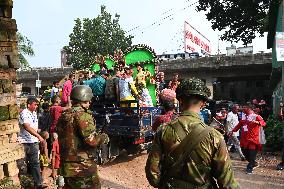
[(111, 90), (98, 84), (127, 88)]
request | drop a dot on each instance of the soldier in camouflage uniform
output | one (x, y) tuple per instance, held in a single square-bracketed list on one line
[(78, 140), (207, 165)]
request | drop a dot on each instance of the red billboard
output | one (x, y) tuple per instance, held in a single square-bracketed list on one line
[(194, 41)]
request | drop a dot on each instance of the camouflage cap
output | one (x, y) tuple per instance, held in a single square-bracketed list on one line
[(193, 86), (81, 93)]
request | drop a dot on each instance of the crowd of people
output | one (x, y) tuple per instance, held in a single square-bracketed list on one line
[(242, 126), (39, 124), (116, 85), (65, 126), (34, 135)]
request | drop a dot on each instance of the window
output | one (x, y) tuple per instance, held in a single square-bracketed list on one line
[(26, 90), (249, 84), (222, 88), (232, 93), (259, 84), (247, 97)]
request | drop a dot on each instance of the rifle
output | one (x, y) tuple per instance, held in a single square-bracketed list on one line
[(219, 127)]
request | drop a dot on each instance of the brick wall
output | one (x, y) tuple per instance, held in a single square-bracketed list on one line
[(10, 150)]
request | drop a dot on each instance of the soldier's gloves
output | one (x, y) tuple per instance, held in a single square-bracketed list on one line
[(104, 138)]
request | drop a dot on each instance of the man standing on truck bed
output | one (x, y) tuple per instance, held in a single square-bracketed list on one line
[(77, 140), (186, 153)]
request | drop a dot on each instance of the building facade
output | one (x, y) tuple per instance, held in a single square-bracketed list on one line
[(238, 78)]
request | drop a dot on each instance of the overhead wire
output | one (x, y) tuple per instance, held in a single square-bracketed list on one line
[(175, 40), (160, 21)]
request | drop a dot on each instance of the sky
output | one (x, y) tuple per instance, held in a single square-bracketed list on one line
[(48, 23)]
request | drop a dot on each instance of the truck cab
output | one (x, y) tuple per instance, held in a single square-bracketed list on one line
[(129, 128)]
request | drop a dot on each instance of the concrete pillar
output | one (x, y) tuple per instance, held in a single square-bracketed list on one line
[(209, 84)]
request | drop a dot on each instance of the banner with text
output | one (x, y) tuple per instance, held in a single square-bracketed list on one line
[(279, 38), (194, 41)]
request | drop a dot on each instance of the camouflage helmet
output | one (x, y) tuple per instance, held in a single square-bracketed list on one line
[(193, 86), (81, 93)]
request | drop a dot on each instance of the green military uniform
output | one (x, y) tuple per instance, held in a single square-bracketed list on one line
[(207, 165), (78, 139)]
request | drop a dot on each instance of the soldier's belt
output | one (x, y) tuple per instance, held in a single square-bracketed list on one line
[(176, 183), (78, 158)]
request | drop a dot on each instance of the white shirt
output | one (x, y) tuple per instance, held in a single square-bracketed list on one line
[(232, 121), (30, 118), (54, 91), (124, 87)]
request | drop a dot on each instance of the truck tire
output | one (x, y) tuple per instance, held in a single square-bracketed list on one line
[(103, 154), (134, 149)]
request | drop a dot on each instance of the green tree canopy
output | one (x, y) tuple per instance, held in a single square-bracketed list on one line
[(24, 48), (240, 20), (90, 37)]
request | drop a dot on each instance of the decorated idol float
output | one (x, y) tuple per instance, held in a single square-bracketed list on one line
[(143, 61), (128, 122)]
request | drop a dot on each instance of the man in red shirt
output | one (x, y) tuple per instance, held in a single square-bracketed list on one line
[(66, 92), (55, 113), (250, 125)]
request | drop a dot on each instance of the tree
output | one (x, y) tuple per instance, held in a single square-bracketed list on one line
[(98, 36), (240, 20), (25, 48)]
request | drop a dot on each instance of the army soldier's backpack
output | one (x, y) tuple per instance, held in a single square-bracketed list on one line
[(184, 149)]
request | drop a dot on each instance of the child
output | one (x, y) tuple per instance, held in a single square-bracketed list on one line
[(55, 155), (44, 119), (43, 157), (55, 112)]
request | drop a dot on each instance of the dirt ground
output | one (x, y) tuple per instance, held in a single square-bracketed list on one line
[(127, 172)]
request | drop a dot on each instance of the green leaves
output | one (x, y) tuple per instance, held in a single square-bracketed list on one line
[(24, 48), (240, 20), (273, 133), (97, 36)]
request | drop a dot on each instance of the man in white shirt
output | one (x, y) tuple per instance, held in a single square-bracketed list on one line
[(29, 137), (232, 121)]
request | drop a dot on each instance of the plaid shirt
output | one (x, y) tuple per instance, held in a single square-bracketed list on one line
[(162, 119)]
